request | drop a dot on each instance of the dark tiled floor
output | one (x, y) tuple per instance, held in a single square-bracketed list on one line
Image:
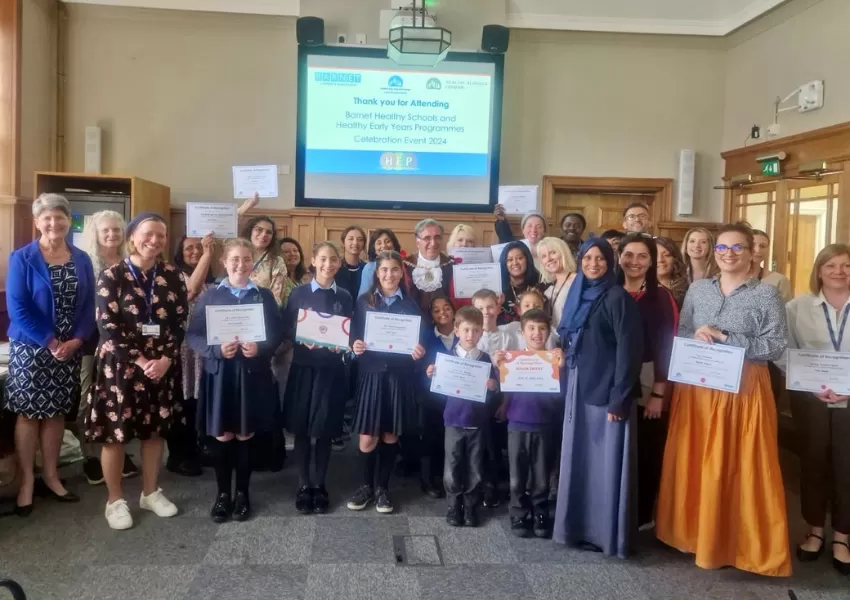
[(69, 553)]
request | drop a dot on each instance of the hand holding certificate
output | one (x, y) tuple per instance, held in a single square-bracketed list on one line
[(460, 378), (530, 371), (235, 323), (468, 279), (319, 329), (387, 332), (818, 371), (714, 366)]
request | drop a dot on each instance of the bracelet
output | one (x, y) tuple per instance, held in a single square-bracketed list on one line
[(656, 395)]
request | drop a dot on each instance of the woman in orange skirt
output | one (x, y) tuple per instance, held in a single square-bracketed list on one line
[(721, 494)]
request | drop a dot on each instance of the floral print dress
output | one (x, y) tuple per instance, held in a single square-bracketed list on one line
[(270, 273), (123, 403)]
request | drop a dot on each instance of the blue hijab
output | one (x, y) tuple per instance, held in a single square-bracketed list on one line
[(585, 292)]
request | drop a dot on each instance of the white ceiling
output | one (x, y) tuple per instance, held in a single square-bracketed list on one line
[(682, 17)]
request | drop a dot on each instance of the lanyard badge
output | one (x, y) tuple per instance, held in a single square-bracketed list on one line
[(149, 328)]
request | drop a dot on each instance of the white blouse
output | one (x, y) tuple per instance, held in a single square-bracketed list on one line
[(807, 327)]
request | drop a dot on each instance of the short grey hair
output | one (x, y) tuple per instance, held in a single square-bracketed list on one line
[(50, 202), (427, 223)]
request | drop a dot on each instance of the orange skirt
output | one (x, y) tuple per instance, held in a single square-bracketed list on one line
[(721, 496)]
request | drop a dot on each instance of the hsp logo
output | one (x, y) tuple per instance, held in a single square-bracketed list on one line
[(395, 82), (433, 84), (398, 161)]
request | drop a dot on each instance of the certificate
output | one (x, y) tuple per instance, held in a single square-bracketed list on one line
[(217, 218), (387, 332), (817, 371), (320, 329), (518, 199), (261, 179), (460, 378), (530, 371), (496, 250), (713, 366), (472, 256), (235, 323), (468, 279)]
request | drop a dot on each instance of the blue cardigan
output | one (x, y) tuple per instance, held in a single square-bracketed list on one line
[(29, 297)]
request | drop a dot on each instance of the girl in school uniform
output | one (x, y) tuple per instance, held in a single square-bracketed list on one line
[(317, 389), (237, 396), (386, 385)]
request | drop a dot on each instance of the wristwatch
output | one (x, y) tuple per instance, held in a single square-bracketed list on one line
[(657, 395)]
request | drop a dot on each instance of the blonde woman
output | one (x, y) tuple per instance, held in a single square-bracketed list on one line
[(697, 249), (558, 272), (103, 241), (463, 236), (761, 248)]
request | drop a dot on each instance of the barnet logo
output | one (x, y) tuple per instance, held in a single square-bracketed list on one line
[(399, 161)]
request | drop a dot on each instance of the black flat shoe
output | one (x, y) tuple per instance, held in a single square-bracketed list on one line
[(454, 516), (521, 527), (222, 508), (186, 468), (841, 567), (40, 489), (491, 497), (810, 555), (321, 501), (470, 516), (304, 500), (542, 529), (241, 507), (23, 511), (70, 497)]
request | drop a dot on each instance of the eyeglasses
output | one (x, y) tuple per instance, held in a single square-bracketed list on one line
[(436, 239), (736, 248), (640, 218)]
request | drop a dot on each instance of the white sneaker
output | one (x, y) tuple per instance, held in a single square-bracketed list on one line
[(158, 504), (118, 515)]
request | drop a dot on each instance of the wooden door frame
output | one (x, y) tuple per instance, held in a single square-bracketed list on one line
[(660, 207)]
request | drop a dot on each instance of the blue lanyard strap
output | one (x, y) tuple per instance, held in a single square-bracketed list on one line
[(836, 343), (147, 291), (259, 261)]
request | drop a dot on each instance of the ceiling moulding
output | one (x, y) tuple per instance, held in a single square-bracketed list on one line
[(647, 26), (285, 8)]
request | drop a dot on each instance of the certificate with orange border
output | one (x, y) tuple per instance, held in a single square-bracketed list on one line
[(530, 371), (321, 329)]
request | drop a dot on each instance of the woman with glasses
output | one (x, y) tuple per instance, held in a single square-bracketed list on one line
[(429, 273), (721, 494), (696, 251)]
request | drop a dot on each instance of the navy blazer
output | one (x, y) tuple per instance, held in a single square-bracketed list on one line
[(609, 352), (29, 296)]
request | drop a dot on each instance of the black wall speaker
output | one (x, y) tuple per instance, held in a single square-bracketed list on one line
[(495, 38), (310, 31)]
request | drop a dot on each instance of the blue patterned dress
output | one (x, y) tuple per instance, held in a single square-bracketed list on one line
[(39, 386)]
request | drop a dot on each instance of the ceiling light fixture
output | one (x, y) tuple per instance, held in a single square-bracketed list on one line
[(415, 40)]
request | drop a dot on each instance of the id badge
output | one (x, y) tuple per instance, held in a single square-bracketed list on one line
[(150, 329)]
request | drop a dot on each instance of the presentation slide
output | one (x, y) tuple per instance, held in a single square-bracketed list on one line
[(374, 131)]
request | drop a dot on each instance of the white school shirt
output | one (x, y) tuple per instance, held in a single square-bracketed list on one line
[(447, 340), (492, 341), (470, 354), (807, 327)]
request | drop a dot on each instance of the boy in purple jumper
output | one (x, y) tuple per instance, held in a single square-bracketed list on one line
[(532, 417), (465, 422)]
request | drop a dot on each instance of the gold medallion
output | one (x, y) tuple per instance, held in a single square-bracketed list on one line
[(429, 276)]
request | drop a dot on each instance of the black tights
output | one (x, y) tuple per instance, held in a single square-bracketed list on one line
[(383, 457), (315, 454), (235, 454)]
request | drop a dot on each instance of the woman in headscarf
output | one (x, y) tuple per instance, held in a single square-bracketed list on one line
[(602, 338)]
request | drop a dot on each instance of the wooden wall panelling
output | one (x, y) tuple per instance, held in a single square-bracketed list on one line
[(676, 230), (843, 226), (11, 212)]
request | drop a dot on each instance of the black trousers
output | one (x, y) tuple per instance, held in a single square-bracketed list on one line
[(530, 463), (823, 436), (433, 445), (462, 472), (651, 437)]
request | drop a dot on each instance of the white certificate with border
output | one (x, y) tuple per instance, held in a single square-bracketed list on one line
[(388, 332), (460, 377), (530, 371), (817, 371), (259, 179), (518, 199), (217, 218), (496, 250), (235, 323), (320, 329), (468, 279), (714, 366), (472, 256)]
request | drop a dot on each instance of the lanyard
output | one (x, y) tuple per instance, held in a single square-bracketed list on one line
[(148, 292), (259, 260), (836, 343)]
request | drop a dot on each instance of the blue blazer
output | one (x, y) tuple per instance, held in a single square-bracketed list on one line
[(29, 297)]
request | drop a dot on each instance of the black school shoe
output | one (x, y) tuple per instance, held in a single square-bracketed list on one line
[(491, 496), (454, 516), (362, 498), (222, 508), (320, 500), (304, 500), (187, 467), (470, 516), (383, 504), (542, 527), (521, 526), (93, 471), (241, 506), (129, 470)]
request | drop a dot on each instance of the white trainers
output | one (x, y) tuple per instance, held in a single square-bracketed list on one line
[(118, 515), (158, 504)]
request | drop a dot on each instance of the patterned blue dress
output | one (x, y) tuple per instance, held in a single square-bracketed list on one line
[(39, 386)]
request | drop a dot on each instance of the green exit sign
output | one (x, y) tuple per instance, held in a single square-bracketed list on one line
[(770, 167)]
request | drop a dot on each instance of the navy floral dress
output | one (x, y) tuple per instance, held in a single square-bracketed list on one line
[(123, 403)]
